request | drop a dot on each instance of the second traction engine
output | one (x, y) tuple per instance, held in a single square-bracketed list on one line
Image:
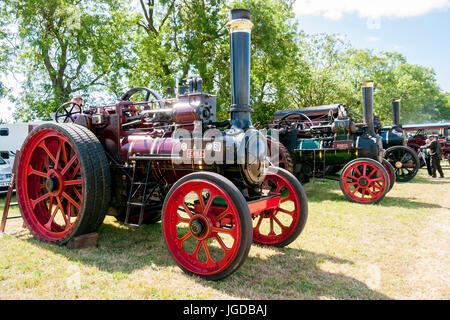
[(320, 141)]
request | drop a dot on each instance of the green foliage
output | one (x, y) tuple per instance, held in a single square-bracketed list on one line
[(67, 47), (336, 71)]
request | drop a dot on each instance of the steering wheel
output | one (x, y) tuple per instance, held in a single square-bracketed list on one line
[(148, 93), (67, 112), (284, 118)]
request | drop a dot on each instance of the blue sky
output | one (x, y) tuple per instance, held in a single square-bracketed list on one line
[(420, 30)]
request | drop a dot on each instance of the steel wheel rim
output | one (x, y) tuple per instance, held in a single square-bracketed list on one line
[(50, 185), (211, 252), (363, 182), (391, 177), (280, 221), (403, 172)]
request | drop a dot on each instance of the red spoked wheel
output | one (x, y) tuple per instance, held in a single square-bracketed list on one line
[(391, 173), (364, 181), (281, 157), (207, 225), (55, 183), (281, 225)]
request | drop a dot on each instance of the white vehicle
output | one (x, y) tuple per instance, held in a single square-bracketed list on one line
[(13, 135), (5, 175)]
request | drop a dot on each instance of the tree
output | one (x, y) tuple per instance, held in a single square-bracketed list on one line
[(178, 38), (67, 47)]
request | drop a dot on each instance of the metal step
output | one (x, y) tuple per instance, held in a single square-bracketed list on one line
[(137, 204)]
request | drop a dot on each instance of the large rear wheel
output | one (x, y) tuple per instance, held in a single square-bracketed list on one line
[(56, 187), (206, 225)]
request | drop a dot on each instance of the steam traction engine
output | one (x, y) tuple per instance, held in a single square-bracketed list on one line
[(403, 158), (423, 132), (319, 141), (143, 161)]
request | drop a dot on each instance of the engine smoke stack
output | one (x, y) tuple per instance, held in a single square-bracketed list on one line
[(240, 28), (396, 111), (367, 104)]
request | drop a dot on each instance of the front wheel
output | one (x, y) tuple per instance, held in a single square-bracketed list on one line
[(281, 225), (364, 181), (207, 225), (405, 162)]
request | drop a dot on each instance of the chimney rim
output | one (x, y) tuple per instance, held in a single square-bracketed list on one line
[(368, 84)]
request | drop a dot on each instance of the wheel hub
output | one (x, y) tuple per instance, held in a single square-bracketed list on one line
[(52, 184), (398, 165), (363, 182), (199, 227)]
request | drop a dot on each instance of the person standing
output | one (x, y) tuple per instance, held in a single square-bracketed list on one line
[(78, 99), (434, 149), (427, 158)]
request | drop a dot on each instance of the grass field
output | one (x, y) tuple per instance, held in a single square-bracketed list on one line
[(398, 249)]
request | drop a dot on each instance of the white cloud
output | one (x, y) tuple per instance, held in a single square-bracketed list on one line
[(373, 39), (374, 9)]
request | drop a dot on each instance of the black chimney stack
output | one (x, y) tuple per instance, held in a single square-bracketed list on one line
[(396, 111), (367, 104), (240, 28)]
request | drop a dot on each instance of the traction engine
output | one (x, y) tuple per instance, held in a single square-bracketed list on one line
[(146, 159), (403, 158), (320, 141)]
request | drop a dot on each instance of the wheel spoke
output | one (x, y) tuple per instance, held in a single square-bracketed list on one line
[(188, 211), (197, 249), (222, 244), (63, 147), (209, 259), (50, 221), (36, 172), (373, 171), (223, 214), (184, 238), (370, 193), (36, 201), (282, 226), (75, 171), (356, 189), (62, 211), (258, 224), (68, 165), (72, 182), (69, 198), (271, 233), (285, 211), (208, 205), (231, 232), (58, 154), (43, 146)]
